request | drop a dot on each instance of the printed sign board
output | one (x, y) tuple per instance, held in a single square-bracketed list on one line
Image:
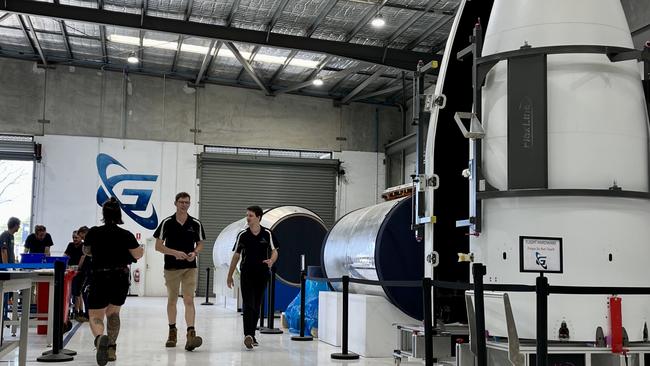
[(540, 254)]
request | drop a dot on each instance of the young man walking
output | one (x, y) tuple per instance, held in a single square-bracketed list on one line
[(180, 238), (258, 250)]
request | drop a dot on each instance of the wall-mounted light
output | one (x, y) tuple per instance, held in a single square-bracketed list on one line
[(378, 21), (317, 82), (133, 59)]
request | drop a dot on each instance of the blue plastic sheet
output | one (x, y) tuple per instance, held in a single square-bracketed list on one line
[(292, 314)]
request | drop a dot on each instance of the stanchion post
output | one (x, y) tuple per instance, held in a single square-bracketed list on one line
[(57, 354), (207, 287), (303, 279), (261, 326), (541, 290), (478, 271), (428, 320), (345, 355), (270, 310)]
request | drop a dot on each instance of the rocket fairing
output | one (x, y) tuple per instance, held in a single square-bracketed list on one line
[(594, 138)]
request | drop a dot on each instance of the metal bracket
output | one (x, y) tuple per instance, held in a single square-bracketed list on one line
[(514, 354), (476, 130), (432, 100), (433, 258)]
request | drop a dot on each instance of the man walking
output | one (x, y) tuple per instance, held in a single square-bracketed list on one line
[(258, 250), (7, 253), (180, 237)]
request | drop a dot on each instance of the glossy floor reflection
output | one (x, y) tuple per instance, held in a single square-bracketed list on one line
[(144, 331)]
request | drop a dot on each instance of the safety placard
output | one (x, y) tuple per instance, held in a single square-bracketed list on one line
[(540, 254)]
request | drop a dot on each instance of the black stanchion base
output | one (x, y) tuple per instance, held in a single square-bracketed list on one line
[(271, 331), (64, 351), (207, 303), (345, 356), (59, 357), (302, 338)]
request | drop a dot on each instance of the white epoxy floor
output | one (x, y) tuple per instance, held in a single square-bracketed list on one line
[(144, 331)]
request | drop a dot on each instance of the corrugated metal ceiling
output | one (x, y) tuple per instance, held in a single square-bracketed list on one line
[(159, 50)]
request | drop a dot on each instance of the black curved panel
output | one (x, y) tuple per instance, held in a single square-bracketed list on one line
[(298, 235), (399, 257)]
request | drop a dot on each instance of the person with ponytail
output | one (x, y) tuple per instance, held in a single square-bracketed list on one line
[(112, 250)]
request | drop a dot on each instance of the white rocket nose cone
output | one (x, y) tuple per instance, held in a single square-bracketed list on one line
[(556, 23)]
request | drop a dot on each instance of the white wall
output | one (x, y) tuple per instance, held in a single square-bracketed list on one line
[(67, 182), (363, 181)]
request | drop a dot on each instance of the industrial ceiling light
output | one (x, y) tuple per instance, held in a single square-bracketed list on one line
[(318, 82), (378, 21), (133, 59)]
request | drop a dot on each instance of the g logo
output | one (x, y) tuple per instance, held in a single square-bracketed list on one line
[(143, 195)]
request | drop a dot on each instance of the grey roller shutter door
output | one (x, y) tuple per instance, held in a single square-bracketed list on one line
[(16, 148), (230, 183)]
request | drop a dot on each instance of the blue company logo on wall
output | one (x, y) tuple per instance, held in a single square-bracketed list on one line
[(143, 195), (541, 260)]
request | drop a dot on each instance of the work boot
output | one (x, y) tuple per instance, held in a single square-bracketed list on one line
[(193, 341), (101, 342), (171, 339), (248, 342), (111, 352)]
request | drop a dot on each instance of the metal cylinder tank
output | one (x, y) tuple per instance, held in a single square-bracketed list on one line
[(597, 135), (297, 229), (377, 243)]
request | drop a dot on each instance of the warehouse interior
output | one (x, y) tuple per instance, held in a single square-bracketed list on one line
[(327, 114)]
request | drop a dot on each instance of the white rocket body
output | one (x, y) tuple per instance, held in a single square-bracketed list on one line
[(597, 134)]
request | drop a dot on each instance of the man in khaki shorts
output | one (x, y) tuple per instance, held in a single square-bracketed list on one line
[(180, 237)]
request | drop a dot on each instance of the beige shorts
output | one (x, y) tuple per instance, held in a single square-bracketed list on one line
[(183, 279)]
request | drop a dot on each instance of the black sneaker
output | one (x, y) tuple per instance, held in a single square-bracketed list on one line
[(248, 342), (255, 344), (102, 350)]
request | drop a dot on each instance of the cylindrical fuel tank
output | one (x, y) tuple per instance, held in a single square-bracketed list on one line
[(377, 243), (298, 231), (597, 135)]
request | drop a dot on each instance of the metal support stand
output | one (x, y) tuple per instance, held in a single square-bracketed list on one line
[(207, 287), (428, 321), (542, 316), (270, 311), (478, 271), (57, 354), (302, 336), (345, 355)]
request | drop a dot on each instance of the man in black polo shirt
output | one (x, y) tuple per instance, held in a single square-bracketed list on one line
[(258, 249), (180, 237), (39, 241)]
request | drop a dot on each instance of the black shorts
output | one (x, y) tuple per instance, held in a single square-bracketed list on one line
[(77, 283), (108, 287)]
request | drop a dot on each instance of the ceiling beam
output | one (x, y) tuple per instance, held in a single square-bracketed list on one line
[(362, 86), (388, 57), (143, 13), (434, 27), (414, 18), (102, 35), (377, 93), (181, 38), (64, 34), (310, 31), (338, 75), (269, 27), (97, 65), (207, 60), (35, 44), (249, 69)]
